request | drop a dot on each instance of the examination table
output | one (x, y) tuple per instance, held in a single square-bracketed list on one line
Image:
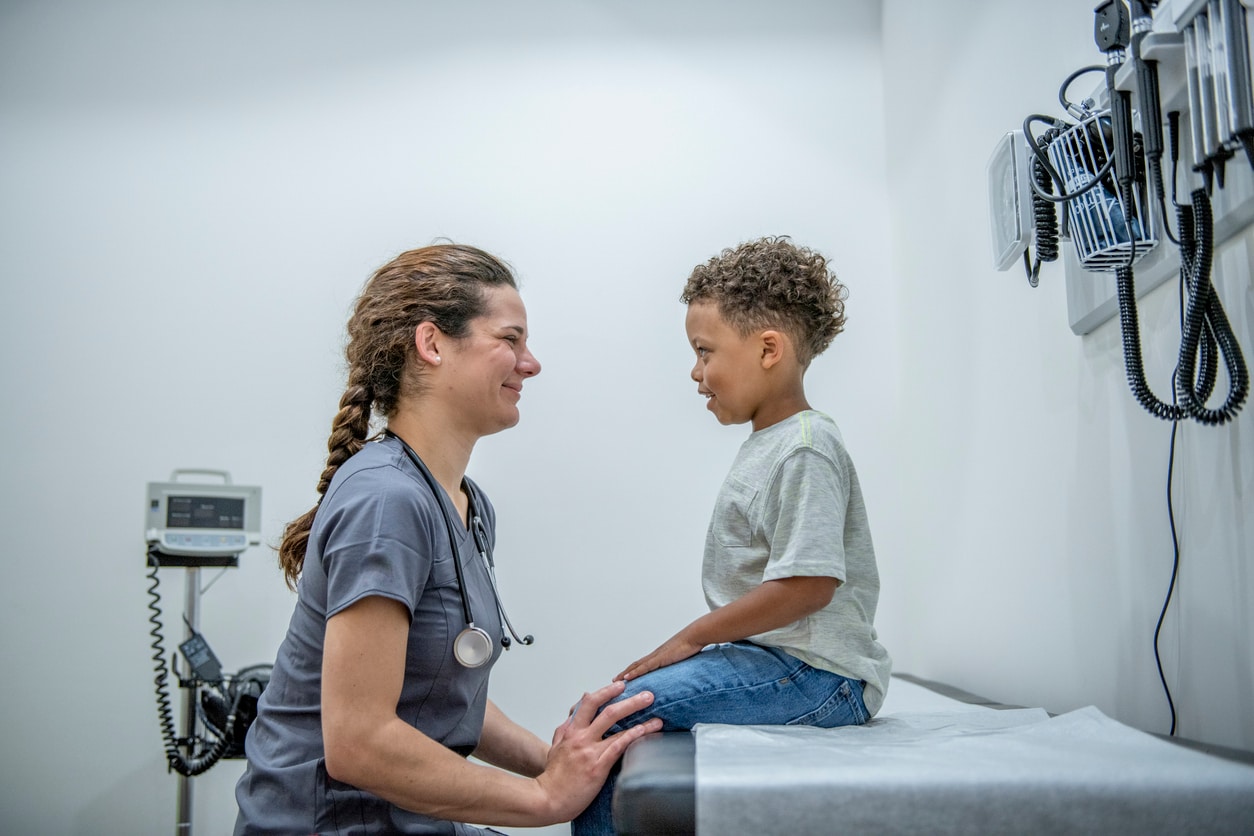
[(935, 760)]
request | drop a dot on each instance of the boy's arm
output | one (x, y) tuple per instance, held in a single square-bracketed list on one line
[(775, 603)]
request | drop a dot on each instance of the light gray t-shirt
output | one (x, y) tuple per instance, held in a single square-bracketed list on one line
[(792, 507), (379, 531)]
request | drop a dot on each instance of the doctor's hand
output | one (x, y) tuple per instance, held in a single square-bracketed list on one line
[(674, 649), (581, 756)]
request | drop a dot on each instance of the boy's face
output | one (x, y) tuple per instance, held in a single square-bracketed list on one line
[(729, 368)]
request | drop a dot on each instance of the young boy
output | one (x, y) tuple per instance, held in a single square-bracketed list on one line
[(789, 570)]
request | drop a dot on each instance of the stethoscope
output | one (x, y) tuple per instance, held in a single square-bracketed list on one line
[(473, 646)]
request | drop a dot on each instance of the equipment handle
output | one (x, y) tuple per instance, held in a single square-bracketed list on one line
[(186, 471)]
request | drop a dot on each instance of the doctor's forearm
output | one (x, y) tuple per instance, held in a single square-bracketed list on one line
[(398, 763), (508, 745)]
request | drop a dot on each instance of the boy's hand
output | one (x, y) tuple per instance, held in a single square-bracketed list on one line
[(673, 650), (773, 604)]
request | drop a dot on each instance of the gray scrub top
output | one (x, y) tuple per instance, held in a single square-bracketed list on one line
[(378, 531)]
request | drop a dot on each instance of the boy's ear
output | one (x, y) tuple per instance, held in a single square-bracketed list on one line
[(774, 344)]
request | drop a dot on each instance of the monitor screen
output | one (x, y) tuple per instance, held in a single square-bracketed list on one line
[(204, 512)]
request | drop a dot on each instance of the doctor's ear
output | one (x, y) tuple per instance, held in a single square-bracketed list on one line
[(427, 340)]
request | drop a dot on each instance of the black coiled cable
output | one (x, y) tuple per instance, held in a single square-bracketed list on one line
[(174, 758), (1207, 345), (1205, 325), (1207, 332), (1044, 218)]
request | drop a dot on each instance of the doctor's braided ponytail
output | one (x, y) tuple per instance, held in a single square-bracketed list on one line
[(442, 284)]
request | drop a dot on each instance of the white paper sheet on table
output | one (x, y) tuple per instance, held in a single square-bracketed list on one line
[(930, 764)]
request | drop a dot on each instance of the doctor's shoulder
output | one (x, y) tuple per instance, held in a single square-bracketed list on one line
[(377, 490)]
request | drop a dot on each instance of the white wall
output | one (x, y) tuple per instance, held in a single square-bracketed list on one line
[(1029, 549), (190, 197)]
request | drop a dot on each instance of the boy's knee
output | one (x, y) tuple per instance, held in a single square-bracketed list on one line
[(654, 685)]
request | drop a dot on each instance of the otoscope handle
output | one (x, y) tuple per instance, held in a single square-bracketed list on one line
[(1112, 32), (1147, 82), (1121, 132)]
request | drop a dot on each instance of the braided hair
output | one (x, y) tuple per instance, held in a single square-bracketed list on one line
[(443, 284)]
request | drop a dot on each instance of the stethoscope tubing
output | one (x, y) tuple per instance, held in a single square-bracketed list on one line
[(472, 647)]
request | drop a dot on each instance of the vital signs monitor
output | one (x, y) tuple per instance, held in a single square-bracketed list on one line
[(204, 524)]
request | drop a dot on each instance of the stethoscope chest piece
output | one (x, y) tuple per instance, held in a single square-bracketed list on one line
[(472, 647)]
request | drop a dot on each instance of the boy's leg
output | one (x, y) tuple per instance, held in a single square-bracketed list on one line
[(598, 818), (739, 683)]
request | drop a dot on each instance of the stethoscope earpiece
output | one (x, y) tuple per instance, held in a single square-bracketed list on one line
[(505, 640)]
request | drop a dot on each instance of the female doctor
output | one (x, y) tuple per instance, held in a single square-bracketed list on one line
[(379, 691)]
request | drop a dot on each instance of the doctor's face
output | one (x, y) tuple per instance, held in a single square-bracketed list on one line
[(491, 363)]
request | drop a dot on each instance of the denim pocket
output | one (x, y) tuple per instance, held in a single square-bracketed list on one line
[(843, 706)]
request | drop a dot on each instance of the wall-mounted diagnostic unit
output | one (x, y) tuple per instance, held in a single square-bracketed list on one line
[(202, 524), (1142, 181)]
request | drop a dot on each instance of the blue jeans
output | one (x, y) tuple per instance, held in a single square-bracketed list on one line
[(739, 684)]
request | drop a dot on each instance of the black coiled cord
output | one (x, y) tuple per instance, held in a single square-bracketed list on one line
[(1207, 344), (1207, 331), (1044, 218), (1193, 384), (174, 758)]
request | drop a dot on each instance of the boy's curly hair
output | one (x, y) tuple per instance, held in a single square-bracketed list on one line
[(773, 283)]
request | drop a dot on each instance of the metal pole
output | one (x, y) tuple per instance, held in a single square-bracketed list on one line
[(191, 611)]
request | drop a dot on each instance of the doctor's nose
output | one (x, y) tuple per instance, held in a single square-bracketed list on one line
[(528, 365)]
